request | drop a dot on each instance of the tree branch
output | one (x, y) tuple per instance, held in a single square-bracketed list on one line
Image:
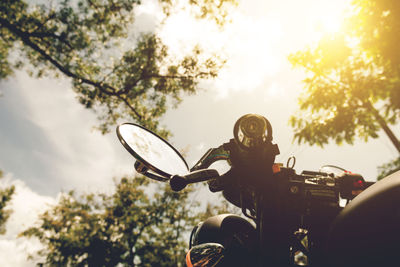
[(181, 77), (140, 117), (25, 37), (52, 35), (51, 16), (368, 106), (383, 124)]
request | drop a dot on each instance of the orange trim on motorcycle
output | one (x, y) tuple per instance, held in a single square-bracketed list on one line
[(188, 262), (276, 167), (205, 255)]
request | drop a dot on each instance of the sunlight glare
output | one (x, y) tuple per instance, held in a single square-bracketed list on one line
[(256, 46), (330, 23), (274, 90), (328, 16), (248, 43)]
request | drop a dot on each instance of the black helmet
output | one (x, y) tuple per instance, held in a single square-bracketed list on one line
[(236, 234)]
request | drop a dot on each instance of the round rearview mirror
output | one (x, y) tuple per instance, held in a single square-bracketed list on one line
[(151, 150)]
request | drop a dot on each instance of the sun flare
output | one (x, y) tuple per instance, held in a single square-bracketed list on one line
[(258, 40), (328, 16)]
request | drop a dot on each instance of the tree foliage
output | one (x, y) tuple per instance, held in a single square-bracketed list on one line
[(5, 197), (388, 168), (84, 40), (130, 227), (352, 75)]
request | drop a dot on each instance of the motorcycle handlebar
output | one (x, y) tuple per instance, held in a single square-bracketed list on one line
[(178, 182)]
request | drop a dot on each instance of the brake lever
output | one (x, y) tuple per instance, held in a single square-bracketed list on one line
[(212, 155), (178, 182)]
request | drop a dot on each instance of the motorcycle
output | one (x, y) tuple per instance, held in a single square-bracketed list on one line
[(289, 219)]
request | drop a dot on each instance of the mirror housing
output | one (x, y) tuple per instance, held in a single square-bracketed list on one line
[(155, 157)]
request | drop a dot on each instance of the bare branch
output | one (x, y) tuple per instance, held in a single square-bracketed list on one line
[(25, 37), (140, 117)]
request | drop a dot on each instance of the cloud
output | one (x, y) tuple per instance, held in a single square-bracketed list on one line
[(274, 90), (200, 146), (26, 205), (49, 140), (147, 16), (51, 143), (250, 44)]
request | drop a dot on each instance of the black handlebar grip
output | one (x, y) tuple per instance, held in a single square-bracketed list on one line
[(178, 183)]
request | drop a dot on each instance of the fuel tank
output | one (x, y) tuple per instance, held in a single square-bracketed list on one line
[(367, 231)]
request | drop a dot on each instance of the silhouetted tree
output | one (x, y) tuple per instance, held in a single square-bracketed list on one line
[(353, 87), (5, 197), (388, 168), (131, 227), (84, 39)]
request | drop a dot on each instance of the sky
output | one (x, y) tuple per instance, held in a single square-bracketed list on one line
[(48, 145)]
